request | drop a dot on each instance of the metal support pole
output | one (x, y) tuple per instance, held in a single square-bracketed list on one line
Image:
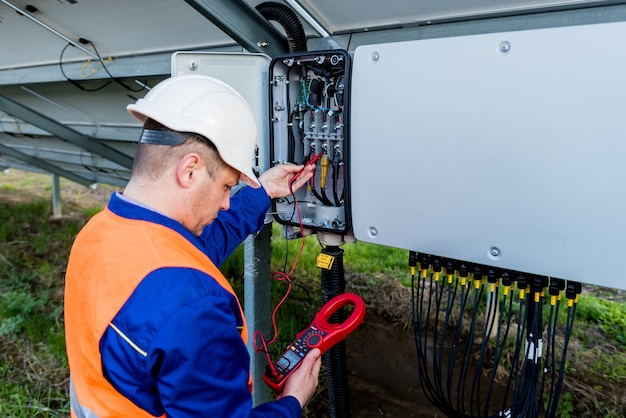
[(334, 284), (56, 197), (257, 303)]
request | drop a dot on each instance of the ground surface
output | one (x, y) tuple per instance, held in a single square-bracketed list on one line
[(383, 378), (381, 354)]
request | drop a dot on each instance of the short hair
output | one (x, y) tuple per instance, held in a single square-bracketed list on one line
[(151, 161)]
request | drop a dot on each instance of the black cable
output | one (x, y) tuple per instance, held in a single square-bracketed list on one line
[(117, 80), (455, 339), (319, 197), (417, 328), (101, 61), (325, 198), (288, 19), (468, 351), (436, 361), (335, 178), (571, 314), (515, 361), (492, 296), (417, 320), (437, 386), (291, 140), (553, 359), (549, 354), (74, 82), (499, 349), (525, 394)]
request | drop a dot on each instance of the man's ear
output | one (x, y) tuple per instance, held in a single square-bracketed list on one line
[(186, 170)]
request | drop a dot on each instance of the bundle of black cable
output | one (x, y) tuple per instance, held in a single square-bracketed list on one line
[(483, 347)]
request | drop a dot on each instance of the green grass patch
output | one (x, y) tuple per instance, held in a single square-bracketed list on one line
[(609, 316), (33, 364)]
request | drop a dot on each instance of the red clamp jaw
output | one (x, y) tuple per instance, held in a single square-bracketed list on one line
[(320, 334)]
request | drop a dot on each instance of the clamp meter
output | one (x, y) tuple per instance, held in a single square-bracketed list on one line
[(320, 334)]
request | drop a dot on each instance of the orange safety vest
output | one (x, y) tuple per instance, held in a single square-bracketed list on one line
[(109, 258)]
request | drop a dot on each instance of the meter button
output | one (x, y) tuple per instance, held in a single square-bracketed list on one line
[(314, 340)]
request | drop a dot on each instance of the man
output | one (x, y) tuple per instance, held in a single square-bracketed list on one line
[(152, 326)]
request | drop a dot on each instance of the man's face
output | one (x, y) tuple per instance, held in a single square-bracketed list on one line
[(209, 196)]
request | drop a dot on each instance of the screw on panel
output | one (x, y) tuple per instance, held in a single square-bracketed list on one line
[(504, 47), (494, 252), (375, 56), (193, 66), (262, 44), (373, 231), (336, 59)]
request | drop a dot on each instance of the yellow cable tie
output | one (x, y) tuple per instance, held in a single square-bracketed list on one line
[(506, 290), (492, 287), (521, 293)]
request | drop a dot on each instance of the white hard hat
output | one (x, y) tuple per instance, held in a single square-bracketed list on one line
[(209, 107)]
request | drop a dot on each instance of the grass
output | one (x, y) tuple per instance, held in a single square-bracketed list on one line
[(32, 348), (33, 255)]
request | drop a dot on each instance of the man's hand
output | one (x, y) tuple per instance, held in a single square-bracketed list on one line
[(303, 381), (276, 180)]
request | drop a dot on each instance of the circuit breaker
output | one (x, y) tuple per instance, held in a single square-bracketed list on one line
[(309, 107)]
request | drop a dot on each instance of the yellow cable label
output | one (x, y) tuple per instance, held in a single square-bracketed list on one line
[(324, 261)]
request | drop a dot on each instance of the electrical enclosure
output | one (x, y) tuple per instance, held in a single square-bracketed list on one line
[(309, 104), (301, 100), (503, 149)]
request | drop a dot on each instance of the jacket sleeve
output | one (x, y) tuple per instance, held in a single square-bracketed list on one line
[(245, 216), (206, 370), (192, 362)]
